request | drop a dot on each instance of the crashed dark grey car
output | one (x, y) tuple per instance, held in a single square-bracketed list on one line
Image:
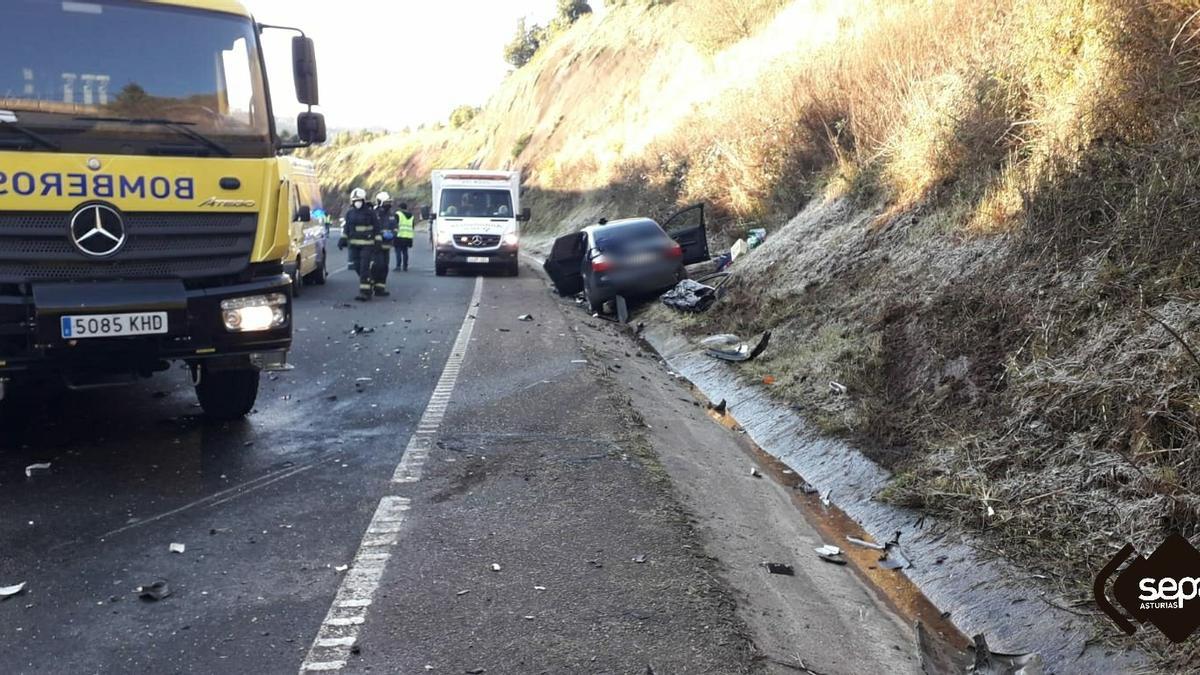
[(631, 257)]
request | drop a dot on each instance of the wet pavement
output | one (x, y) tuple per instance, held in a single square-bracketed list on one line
[(613, 553)]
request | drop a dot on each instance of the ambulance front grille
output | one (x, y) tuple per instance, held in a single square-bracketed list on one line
[(38, 247)]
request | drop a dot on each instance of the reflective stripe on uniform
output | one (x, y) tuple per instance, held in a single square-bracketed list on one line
[(362, 242)]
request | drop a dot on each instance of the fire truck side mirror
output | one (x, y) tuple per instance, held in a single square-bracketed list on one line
[(304, 70), (310, 127)]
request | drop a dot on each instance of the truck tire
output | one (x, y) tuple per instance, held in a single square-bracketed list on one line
[(227, 395), (439, 269)]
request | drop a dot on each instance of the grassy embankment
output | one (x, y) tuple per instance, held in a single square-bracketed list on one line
[(998, 204)]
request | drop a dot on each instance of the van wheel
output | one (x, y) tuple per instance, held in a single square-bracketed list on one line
[(227, 395), (513, 269), (321, 274), (297, 281), (439, 269)]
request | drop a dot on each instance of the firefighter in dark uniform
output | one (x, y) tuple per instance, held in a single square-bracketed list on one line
[(361, 232), (387, 238)]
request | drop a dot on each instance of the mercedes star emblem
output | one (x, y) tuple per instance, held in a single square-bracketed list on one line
[(97, 230), (476, 241)]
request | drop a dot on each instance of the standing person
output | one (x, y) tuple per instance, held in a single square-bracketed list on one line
[(387, 237), (404, 236), (362, 233)]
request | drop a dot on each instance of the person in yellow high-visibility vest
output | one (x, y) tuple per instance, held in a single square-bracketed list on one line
[(404, 236)]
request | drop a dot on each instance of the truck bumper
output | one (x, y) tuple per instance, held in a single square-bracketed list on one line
[(505, 256), (32, 346)]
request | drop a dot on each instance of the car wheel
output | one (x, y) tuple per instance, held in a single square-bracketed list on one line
[(227, 395), (322, 273), (589, 294)]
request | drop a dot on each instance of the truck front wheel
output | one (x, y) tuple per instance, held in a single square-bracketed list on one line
[(227, 395)]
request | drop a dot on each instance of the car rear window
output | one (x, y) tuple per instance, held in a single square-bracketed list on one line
[(619, 238)]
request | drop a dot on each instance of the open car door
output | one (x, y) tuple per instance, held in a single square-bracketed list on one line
[(565, 261), (687, 228)]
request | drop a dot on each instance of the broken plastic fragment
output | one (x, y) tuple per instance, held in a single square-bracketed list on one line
[(690, 296), (728, 347), (341, 568), (463, 592), (639, 559), (867, 544), (831, 554), (837, 388), (495, 567), (154, 592), (177, 548), (525, 317), (9, 591), (755, 473), (36, 468), (780, 568)]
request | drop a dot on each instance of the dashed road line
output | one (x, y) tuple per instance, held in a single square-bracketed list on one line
[(335, 640), (412, 465)]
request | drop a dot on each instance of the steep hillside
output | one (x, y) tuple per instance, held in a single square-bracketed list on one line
[(995, 248)]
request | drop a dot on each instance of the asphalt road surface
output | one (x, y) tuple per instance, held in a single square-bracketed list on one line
[(490, 500)]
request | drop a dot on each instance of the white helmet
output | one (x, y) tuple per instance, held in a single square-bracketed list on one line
[(358, 195), (383, 198)]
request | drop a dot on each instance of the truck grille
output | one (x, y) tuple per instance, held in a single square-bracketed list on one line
[(484, 240), (37, 247)]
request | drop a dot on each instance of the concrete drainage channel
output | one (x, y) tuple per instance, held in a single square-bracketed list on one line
[(1014, 611)]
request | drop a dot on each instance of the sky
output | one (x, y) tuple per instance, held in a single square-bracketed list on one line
[(395, 63)]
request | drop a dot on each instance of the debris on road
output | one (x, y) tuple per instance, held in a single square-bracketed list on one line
[(7, 592), (729, 347), (362, 380), (740, 248), (36, 468), (341, 568), (831, 554), (825, 498), (154, 592), (837, 388), (780, 568), (361, 330), (539, 588), (866, 544), (769, 380), (476, 671), (755, 473), (719, 408), (938, 656), (893, 557), (525, 317), (495, 567), (640, 559), (690, 296), (463, 592), (177, 548)]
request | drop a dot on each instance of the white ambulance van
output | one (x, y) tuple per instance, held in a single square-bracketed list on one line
[(475, 220)]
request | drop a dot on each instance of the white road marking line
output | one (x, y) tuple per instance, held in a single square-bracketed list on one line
[(331, 649), (413, 463)]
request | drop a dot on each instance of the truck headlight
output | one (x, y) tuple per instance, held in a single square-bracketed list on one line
[(254, 313), (511, 239)]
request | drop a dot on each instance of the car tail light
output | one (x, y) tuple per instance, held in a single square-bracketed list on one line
[(676, 251), (601, 264)]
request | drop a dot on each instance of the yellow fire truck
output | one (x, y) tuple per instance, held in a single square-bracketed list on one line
[(145, 208)]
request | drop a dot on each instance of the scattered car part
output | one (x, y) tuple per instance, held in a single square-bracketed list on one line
[(728, 347), (9, 591), (690, 296), (865, 544), (837, 388), (177, 548), (780, 568), (525, 317), (36, 468), (154, 592)]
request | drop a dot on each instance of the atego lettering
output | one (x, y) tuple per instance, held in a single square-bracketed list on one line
[(96, 186)]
